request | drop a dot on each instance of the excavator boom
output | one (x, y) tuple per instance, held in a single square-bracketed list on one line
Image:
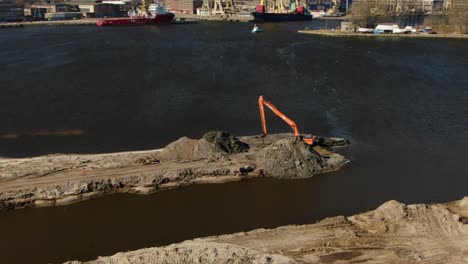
[(289, 121)]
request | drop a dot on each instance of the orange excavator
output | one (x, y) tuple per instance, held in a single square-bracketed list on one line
[(308, 139)]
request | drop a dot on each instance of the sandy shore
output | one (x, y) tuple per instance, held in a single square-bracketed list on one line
[(63, 179), (337, 33), (392, 233)]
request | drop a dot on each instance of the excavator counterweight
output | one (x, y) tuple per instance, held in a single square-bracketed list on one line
[(262, 102)]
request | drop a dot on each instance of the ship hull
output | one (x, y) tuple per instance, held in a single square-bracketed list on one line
[(159, 19), (280, 17)]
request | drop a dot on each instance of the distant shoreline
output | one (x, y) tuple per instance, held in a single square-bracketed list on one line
[(79, 22), (84, 21), (186, 19), (353, 34)]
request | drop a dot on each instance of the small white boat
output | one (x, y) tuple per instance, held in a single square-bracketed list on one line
[(256, 29), (393, 29), (365, 30)]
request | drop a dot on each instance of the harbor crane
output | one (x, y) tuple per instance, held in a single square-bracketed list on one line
[(215, 7), (145, 5), (308, 139)]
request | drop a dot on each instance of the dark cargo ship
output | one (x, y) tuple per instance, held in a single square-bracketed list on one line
[(298, 14)]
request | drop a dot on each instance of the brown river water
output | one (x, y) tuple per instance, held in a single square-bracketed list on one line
[(401, 102)]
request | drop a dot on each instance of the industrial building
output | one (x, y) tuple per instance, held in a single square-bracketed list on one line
[(324, 5), (396, 6), (183, 6), (57, 7), (11, 10), (99, 10), (71, 10), (56, 11)]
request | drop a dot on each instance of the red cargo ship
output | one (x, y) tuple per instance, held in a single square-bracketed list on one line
[(160, 16)]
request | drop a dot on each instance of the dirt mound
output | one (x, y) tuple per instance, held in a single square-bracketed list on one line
[(212, 146), (290, 158), (394, 218), (193, 252)]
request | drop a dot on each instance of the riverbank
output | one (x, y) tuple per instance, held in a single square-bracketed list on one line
[(392, 233), (215, 158), (223, 18), (337, 33), (77, 22), (185, 19)]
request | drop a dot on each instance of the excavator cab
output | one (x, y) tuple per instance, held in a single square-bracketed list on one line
[(309, 139)]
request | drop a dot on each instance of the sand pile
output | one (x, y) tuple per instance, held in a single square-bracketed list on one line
[(461, 208), (290, 158), (213, 145), (394, 218), (393, 233), (194, 252)]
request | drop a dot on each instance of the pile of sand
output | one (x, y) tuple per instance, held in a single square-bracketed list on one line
[(394, 218), (393, 233), (213, 145), (290, 158), (194, 252)]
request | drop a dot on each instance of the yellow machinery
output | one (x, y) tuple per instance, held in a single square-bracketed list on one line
[(145, 4)]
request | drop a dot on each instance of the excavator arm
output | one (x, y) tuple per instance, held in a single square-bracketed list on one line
[(262, 102)]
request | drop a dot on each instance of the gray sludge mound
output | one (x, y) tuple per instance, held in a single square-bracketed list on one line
[(213, 145), (226, 142), (291, 158)]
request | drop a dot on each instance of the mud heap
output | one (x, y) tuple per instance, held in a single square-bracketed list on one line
[(288, 158), (283, 157)]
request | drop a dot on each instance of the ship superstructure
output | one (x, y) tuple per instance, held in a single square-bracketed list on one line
[(275, 11)]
